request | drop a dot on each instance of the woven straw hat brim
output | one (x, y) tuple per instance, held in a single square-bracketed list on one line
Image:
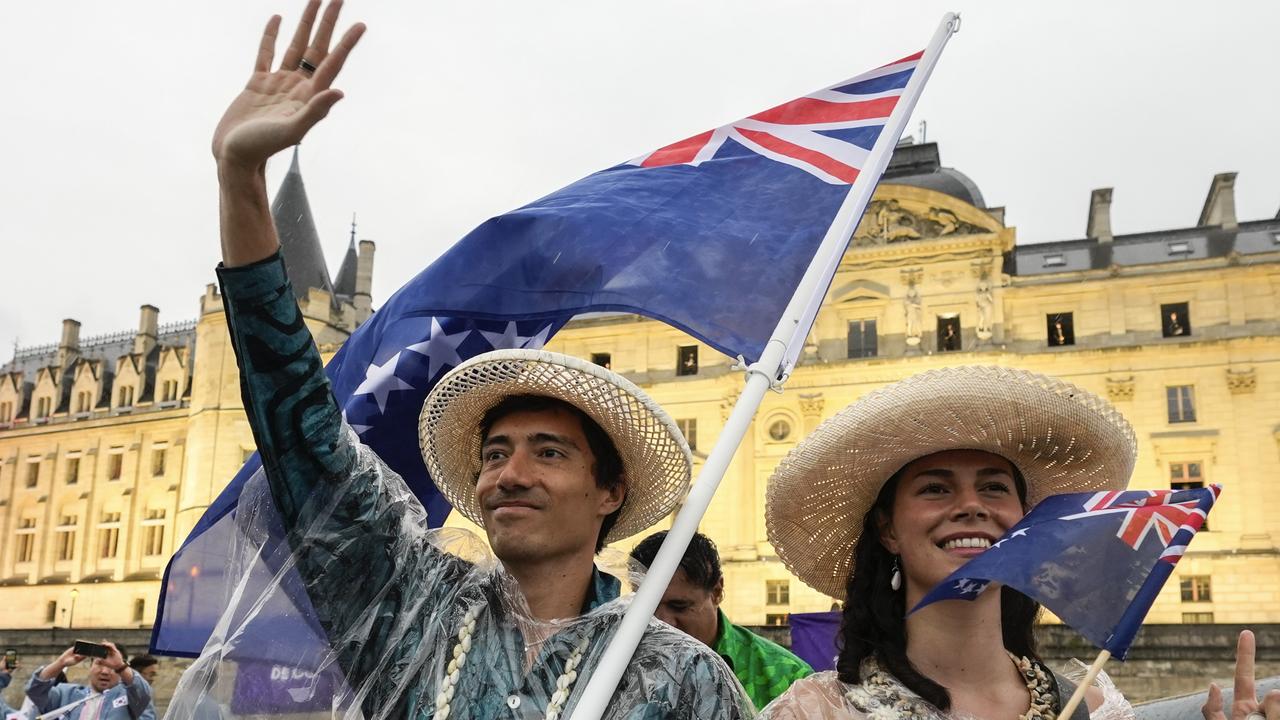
[(1062, 438), (655, 457)]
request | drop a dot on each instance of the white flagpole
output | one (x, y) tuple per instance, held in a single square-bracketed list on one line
[(769, 371), (1078, 696)]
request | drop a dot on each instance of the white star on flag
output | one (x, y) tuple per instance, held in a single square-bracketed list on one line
[(441, 350), (1020, 532), (511, 338), (380, 380)]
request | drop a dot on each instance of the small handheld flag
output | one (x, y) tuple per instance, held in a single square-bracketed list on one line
[(1097, 560)]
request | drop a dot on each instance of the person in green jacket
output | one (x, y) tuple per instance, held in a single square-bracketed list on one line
[(692, 604)]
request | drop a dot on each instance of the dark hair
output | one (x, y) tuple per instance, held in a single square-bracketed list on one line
[(874, 618), (141, 662), (608, 464), (701, 562)]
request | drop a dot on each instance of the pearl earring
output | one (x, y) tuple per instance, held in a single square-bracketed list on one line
[(895, 580)]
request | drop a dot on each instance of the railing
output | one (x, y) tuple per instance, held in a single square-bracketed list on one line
[(27, 352), (176, 328), (106, 339), (168, 330)]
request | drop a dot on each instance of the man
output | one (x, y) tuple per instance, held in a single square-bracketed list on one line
[(692, 604), (114, 692), (6, 676), (551, 455), (148, 666)]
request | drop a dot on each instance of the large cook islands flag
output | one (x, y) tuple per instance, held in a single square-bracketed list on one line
[(710, 234), (1097, 560)]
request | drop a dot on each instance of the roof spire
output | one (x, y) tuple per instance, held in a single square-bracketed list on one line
[(299, 241), (344, 283)]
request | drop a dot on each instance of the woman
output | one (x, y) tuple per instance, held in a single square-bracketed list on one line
[(887, 498)]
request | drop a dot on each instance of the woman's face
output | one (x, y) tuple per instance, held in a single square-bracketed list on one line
[(948, 507)]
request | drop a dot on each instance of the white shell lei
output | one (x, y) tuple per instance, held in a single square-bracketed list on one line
[(564, 683), (881, 695)]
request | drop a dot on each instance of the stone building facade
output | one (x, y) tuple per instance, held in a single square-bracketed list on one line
[(112, 446), (1179, 328)]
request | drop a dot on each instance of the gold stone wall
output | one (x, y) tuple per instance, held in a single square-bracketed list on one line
[(204, 438)]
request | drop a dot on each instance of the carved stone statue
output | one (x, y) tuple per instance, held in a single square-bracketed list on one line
[(915, 320), (986, 308)]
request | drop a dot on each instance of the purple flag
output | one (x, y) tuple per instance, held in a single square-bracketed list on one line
[(813, 638)]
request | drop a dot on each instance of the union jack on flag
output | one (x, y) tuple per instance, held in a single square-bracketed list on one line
[(1155, 511), (1097, 560), (827, 134)]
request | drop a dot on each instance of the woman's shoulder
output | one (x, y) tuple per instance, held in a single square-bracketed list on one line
[(823, 696)]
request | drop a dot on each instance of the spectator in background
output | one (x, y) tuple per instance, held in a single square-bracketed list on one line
[(6, 676), (692, 604), (114, 692), (148, 666)]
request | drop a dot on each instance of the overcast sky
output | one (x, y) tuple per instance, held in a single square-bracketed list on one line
[(460, 110)]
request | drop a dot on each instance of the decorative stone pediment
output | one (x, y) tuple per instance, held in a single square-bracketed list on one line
[(1241, 382), (892, 221), (860, 289), (1120, 388), (88, 370), (811, 404), (903, 213), (905, 224)]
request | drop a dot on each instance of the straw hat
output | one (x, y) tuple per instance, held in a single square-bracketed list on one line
[(655, 456), (1063, 439)]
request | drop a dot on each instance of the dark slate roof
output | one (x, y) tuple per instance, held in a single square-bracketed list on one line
[(921, 166), (1150, 248), (101, 347), (299, 241), (345, 282)]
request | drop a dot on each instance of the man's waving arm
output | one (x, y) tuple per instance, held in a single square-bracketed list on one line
[(273, 112)]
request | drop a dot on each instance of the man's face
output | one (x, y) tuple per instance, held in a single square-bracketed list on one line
[(692, 609), (537, 489), (102, 677), (149, 673)]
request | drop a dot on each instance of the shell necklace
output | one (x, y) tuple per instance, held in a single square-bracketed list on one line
[(880, 691), (444, 697)]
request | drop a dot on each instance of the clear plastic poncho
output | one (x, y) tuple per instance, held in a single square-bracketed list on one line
[(823, 696), (361, 611)]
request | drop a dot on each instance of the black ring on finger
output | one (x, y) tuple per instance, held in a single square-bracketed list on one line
[(305, 66)]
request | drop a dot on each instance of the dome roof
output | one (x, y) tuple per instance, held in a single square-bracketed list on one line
[(921, 166)]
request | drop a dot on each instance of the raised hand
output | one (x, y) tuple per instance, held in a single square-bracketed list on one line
[(69, 658), (1244, 705), (277, 108), (114, 658)]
